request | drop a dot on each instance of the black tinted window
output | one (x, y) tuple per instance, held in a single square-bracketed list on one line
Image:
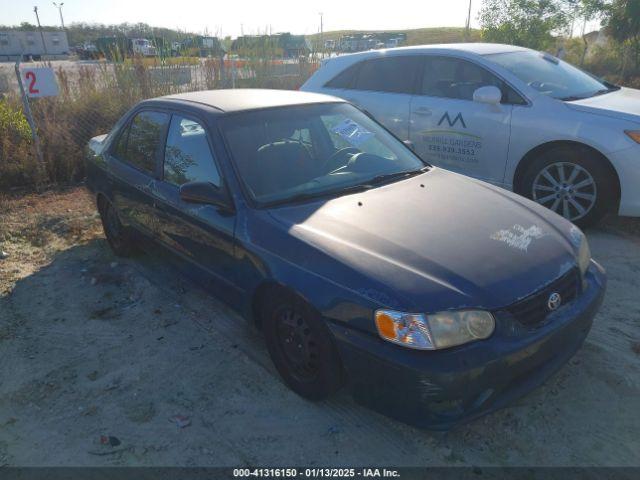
[(457, 78), (145, 134), (393, 74), (345, 79), (187, 156), (510, 96)]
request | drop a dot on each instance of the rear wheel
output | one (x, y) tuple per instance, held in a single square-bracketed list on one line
[(573, 182), (301, 347), (118, 236)]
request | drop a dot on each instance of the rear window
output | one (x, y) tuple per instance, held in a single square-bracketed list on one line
[(345, 79), (145, 136), (393, 74), (138, 145)]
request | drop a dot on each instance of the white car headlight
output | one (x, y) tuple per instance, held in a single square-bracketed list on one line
[(434, 331)]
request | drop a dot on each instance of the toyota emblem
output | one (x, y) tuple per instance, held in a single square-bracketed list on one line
[(554, 301)]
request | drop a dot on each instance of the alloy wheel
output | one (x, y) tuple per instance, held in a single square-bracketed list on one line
[(566, 188)]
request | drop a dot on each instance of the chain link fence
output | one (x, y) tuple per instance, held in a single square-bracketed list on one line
[(94, 94)]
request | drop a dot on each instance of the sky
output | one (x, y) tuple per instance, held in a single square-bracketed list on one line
[(231, 17)]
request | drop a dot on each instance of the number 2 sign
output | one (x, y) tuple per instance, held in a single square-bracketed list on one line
[(39, 82)]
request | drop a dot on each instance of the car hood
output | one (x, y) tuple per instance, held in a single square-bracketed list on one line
[(623, 103), (436, 241)]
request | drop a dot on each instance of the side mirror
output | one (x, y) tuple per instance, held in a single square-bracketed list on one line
[(489, 94), (410, 144), (204, 192)]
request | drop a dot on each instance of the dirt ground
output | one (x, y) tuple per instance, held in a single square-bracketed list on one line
[(92, 346)]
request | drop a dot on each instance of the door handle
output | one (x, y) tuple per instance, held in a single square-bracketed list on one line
[(424, 111)]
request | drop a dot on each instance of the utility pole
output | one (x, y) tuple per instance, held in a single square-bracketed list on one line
[(59, 7), (321, 35), (467, 32), (44, 45)]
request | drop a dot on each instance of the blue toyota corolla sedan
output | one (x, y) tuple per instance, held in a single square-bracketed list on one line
[(436, 298)]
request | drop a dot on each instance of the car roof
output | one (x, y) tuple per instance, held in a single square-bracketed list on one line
[(250, 99), (472, 48), (477, 48)]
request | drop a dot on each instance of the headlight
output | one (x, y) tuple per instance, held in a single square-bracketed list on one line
[(435, 331), (633, 135), (584, 256), (579, 241)]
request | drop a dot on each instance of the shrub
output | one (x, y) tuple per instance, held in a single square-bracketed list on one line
[(16, 159)]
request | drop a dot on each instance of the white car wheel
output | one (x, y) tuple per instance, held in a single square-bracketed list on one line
[(567, 189), (573, 181)]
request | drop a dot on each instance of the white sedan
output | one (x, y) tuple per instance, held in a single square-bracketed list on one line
[(518, 118)]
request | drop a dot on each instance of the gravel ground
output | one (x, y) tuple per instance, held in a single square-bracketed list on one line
[(96, 347)]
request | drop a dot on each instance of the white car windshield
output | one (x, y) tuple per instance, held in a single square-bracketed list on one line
[(311, 151), (549, 75)]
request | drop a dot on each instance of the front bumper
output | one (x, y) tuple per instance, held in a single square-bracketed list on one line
[(626, 162), (440, 389)]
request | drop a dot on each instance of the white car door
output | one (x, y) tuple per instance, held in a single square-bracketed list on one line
[(383, 87), (451, 130)]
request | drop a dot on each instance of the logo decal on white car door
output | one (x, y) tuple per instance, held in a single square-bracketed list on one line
[(449, 145), (455, 120)]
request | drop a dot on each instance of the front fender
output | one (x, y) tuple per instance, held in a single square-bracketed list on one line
[(552, 122), (267, 254)]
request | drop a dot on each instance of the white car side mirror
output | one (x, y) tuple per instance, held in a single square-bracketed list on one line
[(489, 94)]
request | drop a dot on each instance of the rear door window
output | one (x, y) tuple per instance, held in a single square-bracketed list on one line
[(345, 79), (391, 74), (120, 148), (187, 156), (145, 134)]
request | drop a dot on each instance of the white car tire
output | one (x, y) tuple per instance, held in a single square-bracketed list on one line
[(572, 181)]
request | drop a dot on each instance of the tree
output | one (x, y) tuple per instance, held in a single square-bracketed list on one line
[(622, 23), (26, 26), (583, 11), (529, 23)]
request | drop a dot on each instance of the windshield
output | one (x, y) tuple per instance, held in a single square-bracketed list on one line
[(549, 75), (310, 151)]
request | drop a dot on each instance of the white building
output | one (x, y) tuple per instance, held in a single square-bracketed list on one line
[(14, 43)]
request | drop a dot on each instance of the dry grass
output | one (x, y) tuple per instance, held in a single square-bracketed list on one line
[(35, 227), (157, 61)]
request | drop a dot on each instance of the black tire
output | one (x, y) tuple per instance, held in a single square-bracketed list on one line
[(118, 236), (593, 189), (301, 347)]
